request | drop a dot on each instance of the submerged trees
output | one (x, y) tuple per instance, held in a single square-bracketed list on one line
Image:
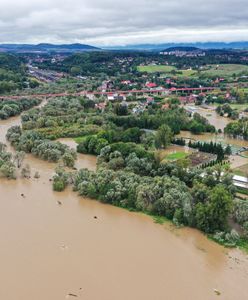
[(33, 142), (7, 166)]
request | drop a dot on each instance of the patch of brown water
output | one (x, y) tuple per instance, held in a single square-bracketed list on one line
[(83, 160), (213, 137), (50, 250), (211, 115)]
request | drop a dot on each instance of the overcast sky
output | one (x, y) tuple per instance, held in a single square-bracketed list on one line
[(115, 22)]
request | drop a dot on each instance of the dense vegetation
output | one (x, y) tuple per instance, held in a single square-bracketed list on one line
[(226, 109), (13, 74), (10, 108), (162, 195), (115, 62), (33, 142), (131, 172), (214, 148), (7, 166), (238, 128)]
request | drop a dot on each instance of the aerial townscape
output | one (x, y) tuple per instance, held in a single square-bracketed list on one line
[(123, 167)]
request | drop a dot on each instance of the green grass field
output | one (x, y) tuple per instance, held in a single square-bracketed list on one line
[(166, 69), (156, 68), (176, 155), (224, 70)]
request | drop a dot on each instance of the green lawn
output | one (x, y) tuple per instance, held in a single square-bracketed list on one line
[(224, 70), (176, 155), (156, 68)]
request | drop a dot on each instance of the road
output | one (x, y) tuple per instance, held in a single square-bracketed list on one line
[(83, 93)]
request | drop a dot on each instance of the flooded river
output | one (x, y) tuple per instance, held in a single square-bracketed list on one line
[(53, 252)]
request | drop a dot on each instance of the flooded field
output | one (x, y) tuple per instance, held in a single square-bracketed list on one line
[(58, 251), (213, 118)]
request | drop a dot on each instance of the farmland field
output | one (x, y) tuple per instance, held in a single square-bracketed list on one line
[(224, 70), (155, 68), (166, 69)]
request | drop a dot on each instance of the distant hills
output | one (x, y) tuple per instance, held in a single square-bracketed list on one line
[(186, 49), (160, 47), (77, 47), (46, 48)]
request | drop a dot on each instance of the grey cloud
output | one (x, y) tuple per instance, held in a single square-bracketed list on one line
[(121, 22)]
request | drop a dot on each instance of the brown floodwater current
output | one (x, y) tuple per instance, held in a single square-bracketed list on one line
[(51, 251)]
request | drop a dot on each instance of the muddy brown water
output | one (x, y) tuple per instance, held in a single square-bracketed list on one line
[(51, 251), (218, 121)]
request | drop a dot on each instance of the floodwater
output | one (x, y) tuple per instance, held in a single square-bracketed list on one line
[(83, 160), (236, 160), (58, 251), (209, 113)]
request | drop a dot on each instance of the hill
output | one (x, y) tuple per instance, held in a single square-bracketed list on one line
[(46, 48), (10, 62), (162, 46), (186, 49)]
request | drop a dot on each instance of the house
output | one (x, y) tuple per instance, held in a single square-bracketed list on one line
[(116, 97), (149, 100), (90, 96), (122, 97), (165, 106), (227, 96), (101, 106), (111, 97), (151, 85), (126, 82)]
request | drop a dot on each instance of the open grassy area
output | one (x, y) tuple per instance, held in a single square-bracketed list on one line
[(156, 68), (185, 73), (224, 70), (166, 69), (239, 107), (176, 155)]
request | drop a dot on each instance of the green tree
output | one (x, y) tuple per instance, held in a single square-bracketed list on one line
[(163, 136)]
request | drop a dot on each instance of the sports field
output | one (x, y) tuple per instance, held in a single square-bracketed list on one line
[(176, 155)]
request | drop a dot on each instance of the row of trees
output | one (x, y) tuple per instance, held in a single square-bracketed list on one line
[(204, 207), (210, 147)]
